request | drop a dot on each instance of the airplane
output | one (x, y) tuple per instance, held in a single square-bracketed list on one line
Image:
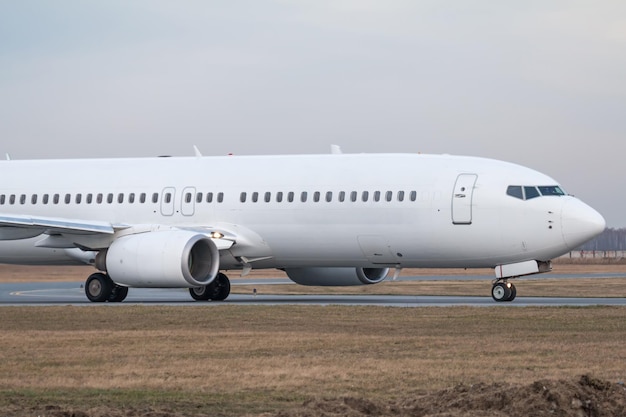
[(326, 220)]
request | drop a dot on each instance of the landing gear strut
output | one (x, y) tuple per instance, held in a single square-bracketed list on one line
[(502, 290), (217, 290), (100, 288)]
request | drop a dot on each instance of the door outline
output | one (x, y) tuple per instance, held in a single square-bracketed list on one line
[(168, 198), (377, 250), (188, 201), (462, 198)]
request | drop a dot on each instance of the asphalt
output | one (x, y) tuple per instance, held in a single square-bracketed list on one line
[(72, 293)]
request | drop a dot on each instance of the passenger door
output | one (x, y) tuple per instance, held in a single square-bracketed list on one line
[(462, 198)]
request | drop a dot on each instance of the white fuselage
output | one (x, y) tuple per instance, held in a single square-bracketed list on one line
[(402, 210)]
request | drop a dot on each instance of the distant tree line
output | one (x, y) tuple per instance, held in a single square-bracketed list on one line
[(610, 239)]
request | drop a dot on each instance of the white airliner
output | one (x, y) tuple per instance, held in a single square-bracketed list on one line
[(336, 219)]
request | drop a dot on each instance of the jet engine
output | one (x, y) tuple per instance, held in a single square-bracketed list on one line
[(336, 276), (171, 259)]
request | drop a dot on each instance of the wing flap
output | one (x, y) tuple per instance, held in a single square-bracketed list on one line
[(55, 225)]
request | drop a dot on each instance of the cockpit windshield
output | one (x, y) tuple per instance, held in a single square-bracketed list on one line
[(527, 192)]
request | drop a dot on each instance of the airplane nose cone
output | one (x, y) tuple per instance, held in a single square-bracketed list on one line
[(580, 223)]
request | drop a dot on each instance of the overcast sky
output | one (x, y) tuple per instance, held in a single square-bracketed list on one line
[(539, 83)]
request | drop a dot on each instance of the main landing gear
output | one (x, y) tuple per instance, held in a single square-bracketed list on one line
[(100, 288), (217, 290), (502, 290)]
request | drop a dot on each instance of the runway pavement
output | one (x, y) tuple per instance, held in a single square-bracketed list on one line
[(72, 293)]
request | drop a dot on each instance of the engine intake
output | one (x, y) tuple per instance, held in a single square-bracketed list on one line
[(171, 259), (339, 277)]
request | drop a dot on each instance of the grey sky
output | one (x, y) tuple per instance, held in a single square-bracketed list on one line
[(539, 83)]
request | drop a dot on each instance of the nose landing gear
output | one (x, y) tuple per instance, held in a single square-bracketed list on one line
[(502, 290)]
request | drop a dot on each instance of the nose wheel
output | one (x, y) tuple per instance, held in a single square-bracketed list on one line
[(503, 291)]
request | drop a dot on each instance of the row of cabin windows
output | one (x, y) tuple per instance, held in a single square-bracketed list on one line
[(101, 198), (210, 197), (328, 196)]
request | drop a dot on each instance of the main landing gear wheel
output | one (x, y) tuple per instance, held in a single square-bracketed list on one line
[(100, 288), (503, 291), (118, 294), (217, 290)]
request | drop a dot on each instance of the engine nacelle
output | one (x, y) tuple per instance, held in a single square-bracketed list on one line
[(171, 259), (336, 277)]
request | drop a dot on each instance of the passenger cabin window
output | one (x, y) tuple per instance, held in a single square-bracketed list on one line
[(220, 197)]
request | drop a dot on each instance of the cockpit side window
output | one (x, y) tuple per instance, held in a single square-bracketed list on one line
[(531, 192), (515, 191)]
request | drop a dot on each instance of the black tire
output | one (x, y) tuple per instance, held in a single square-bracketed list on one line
[(200, 293), (513, 293), (217, 290), (500, 292), (99, 287), (118, 294), (221, 291)]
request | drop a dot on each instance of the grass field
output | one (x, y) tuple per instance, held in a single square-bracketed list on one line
[(238, 360), (250, 360)]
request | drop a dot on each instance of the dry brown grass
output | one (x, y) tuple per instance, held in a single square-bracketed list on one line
[(26, 273), (273, 356)]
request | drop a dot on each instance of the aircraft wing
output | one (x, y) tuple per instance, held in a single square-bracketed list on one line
[(36, 225), (59, 230)]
